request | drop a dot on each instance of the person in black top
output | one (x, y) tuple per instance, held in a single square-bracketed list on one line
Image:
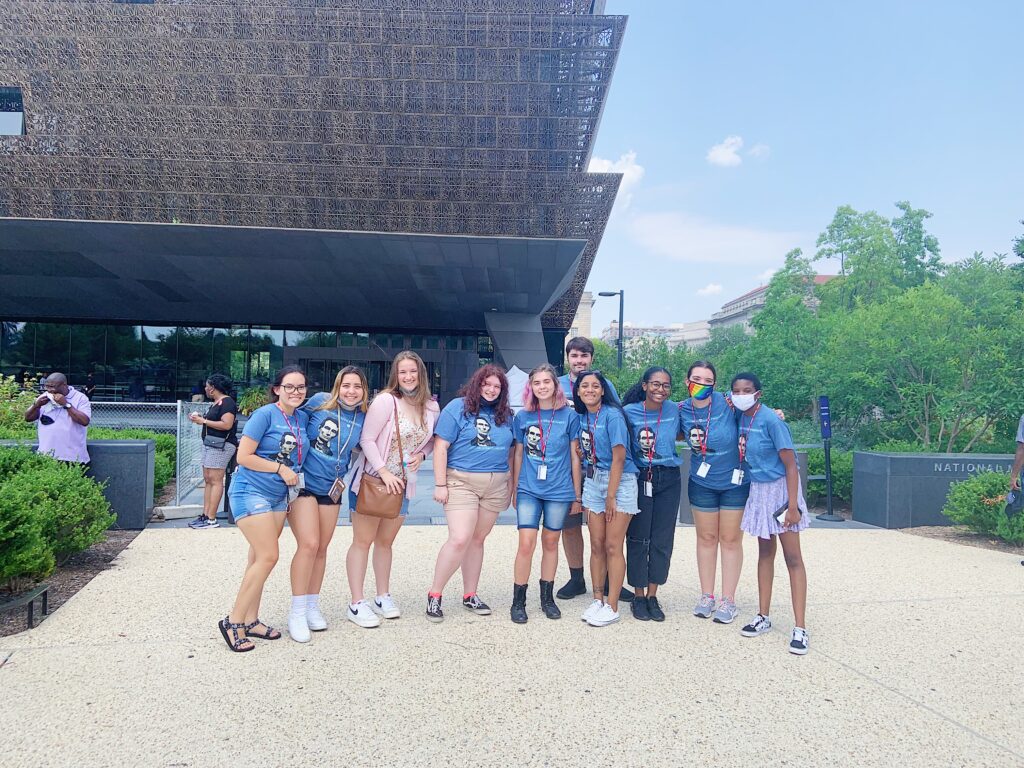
[(220, 441)]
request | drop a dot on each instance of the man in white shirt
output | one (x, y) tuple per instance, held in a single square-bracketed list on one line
[(63, 414)]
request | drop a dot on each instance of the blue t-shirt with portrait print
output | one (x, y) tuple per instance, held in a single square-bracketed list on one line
[(279, 438), (566, 384), (475, 442), (331, 443), (765, 435), (609, 427), (716, 427), (655, 429), (546, 437)]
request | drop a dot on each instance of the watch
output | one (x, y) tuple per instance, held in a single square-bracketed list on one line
[(66, 406)]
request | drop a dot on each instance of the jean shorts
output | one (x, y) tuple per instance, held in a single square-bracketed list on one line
[(246, 500), (733, 498), (530, 509), (595, 491), (353, 497)]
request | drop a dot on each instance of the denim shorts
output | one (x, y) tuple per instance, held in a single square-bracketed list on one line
[(530, 509), (246, 500), (353, 496), (703, 499), (595, 491)]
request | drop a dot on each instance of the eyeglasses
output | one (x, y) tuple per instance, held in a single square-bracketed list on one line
[(665, 385), (291, 389)]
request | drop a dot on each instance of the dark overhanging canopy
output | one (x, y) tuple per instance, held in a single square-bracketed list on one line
[(165, 274)]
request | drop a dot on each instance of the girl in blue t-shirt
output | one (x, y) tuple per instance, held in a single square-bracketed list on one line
[(270, 456), (655, 421), (716, 488), (775, 507), (472, 455), (609, 490), (335, 423), (547, 479)]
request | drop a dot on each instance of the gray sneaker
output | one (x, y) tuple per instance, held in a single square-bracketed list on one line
[(705, 606), (726, 612)]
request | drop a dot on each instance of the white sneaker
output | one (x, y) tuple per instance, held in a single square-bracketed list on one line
[(384, 605), (591, 609), (603, 616), (314, 618), (362, 615), (298, 628)]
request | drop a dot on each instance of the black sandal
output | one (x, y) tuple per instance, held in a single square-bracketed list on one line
[(270, 634), (235, 643)]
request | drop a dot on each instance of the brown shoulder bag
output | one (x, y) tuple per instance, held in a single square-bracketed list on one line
[(374, 499)]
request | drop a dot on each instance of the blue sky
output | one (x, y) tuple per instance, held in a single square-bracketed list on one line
[(860, 103)]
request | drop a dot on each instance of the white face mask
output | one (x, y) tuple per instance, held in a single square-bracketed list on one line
[(744, 402)]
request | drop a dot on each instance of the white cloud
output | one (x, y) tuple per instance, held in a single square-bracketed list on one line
[(760, 151), (632, 172), (710, 289), (693, 240), (726, 154)]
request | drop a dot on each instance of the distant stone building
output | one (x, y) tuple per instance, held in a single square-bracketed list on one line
[(581, 323), (741, 310), (691, 334)]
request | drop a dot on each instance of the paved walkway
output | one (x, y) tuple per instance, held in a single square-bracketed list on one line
[(915, 660)]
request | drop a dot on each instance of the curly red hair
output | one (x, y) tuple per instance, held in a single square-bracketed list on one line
[(472, 401)]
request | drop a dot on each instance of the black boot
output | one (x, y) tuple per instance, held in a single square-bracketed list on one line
[(547, 600), (518, 603), (574, 587)]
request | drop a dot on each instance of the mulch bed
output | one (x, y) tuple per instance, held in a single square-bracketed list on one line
[(958, 534), (69, 578)]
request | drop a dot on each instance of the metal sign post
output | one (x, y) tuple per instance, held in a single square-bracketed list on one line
[(826, 438)]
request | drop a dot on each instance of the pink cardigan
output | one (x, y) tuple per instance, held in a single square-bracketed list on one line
[(379, 430)]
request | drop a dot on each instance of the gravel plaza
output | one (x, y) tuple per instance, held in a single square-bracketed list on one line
[(915, 658)]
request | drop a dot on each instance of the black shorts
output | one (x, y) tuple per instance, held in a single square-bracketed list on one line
[(323, 501)]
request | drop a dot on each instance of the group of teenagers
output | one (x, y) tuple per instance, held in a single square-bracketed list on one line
[(573, 450)]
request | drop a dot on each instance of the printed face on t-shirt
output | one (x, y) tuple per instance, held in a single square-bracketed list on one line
[(585, 443), (325, 436), (743, 444), (696, 437), (533, 434), (288, 443), (646, 440), (483, 431)]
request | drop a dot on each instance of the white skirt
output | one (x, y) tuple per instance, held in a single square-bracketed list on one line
[(764, 501)]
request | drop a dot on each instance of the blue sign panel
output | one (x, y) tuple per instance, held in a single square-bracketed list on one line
[(825, 416)]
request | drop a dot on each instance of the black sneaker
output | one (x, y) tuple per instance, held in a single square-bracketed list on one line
[(572, 588), (654, 609), (639, 608), (203, 522), (476, 605), (434, 612), (625, 596), (798, 644), (758, 626)]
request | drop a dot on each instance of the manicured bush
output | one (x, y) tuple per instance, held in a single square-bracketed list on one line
[(251, 399), (166, 450), (842, 475), (19, 459), (73, 510), (979, 502), (25, 554), (163, 471), (899, 446)]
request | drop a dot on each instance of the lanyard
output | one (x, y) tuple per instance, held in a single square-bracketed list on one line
[(294, 430), (341, 448), (707, 427), (544, 433), (593, 435), (650, 452), (743, 442)]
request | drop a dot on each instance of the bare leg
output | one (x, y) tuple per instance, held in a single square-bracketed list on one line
[(461, 525), (328, 515), (765, 573), (364, 531), (387, 532), (707, 549), (473, 559), (615, 556), (572, 543), (262, 532), (213, 492), (524, 555), (548, 554), (730, 538), (598, 561), (797, 575), (304, 519)]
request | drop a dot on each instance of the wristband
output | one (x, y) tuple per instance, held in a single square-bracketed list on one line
[(440, 486), (278, 470)]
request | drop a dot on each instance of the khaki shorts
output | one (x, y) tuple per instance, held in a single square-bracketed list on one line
[(472, 491)]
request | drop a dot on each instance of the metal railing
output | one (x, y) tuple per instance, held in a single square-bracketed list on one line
[(189, 466), (155, 417)]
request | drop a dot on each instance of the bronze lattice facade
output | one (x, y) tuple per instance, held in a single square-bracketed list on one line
[(445, 117)]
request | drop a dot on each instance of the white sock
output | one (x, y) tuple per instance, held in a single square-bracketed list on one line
[(298, 605), (312, 602), (381, 597)]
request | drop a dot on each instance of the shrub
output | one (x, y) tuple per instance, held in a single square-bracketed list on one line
[(979, 502), (73, 510), (900, 446), (25, 555), (251, 399), (842, 474), (14, 401), (1011, 529), (166, 450), (163, 471), (19, 459)]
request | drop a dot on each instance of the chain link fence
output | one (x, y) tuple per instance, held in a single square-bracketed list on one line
[(167, 419)]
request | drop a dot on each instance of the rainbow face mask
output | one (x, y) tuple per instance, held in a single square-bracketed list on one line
[(699, 391)]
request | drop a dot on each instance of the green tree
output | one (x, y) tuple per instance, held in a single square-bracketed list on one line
[(1018, 245)]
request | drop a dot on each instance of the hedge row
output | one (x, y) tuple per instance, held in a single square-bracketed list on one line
[(48, 512)]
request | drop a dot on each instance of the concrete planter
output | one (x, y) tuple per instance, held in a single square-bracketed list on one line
[(686, 514), (127, 468), (903, 490)]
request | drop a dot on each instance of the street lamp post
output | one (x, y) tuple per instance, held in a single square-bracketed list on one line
[(622, 301)]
